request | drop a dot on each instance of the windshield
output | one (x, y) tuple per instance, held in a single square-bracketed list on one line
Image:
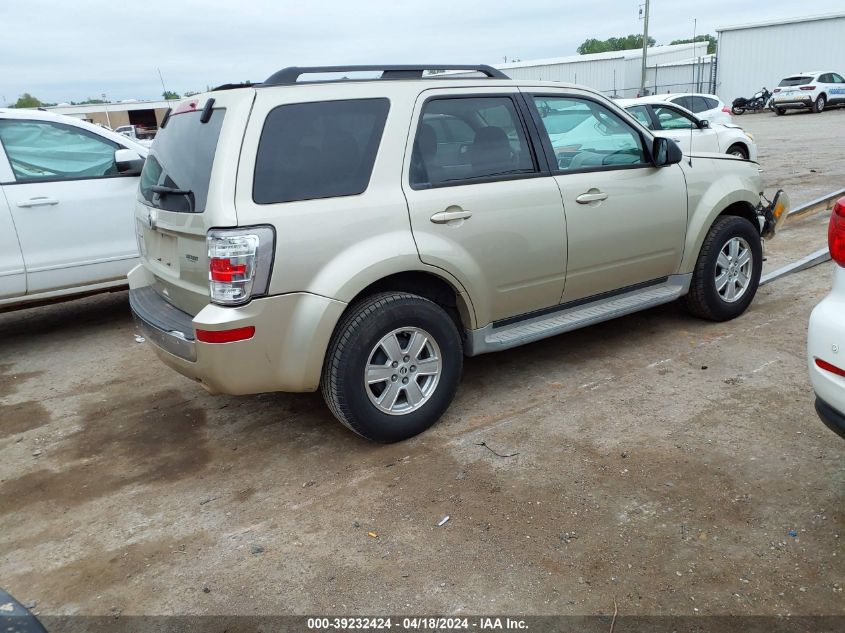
[(795, 81), (177, 172)]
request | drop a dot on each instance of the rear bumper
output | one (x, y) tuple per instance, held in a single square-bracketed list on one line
[(292, 333), (794, 102), (833, 419), (826, 341), (167, 327)]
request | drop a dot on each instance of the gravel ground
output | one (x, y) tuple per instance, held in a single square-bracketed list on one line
[(658, 461)]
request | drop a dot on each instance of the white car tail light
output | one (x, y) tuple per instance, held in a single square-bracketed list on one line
[(239, 263), (836, 233)]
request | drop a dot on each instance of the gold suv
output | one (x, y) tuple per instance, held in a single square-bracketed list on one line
[(362, 236)]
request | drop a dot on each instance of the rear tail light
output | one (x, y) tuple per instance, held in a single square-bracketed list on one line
[(726, 109), (808, 87), (239, 263), (836, 233), (776, 90), (833, 369)]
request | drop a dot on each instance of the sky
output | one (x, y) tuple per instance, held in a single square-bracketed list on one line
[(60, 50)]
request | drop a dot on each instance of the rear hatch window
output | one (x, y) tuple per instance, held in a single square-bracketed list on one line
[(177, 172), (794, 81)]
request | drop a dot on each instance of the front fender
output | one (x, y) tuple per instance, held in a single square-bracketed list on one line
[(713, 185)]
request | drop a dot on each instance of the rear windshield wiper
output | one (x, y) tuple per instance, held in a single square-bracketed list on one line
[(164, 191)]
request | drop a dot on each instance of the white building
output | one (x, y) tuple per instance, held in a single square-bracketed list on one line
[(755, 55), (615, 73)]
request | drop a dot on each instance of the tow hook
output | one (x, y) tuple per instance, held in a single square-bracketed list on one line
[(773, 213)]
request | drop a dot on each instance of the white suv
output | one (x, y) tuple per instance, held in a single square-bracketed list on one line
[(826, 334), (814, 90), (66, 194)]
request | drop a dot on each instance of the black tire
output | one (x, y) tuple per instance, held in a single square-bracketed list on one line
[(737, 149), (358, 333), (819, 104), (737, 110), (780, 111), (703, 299)]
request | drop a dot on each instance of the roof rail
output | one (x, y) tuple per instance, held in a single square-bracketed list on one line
[(291, 74)]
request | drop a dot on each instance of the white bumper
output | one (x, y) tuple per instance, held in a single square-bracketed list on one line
[(826, 340)]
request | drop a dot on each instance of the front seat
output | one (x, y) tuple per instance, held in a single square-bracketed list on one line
[(490, 152)]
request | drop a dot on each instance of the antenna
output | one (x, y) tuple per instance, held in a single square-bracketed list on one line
[(163, 88), (694, 26)]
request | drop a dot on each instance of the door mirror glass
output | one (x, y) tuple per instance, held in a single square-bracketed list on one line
[(129, 162), (704, 124), (665, 152)]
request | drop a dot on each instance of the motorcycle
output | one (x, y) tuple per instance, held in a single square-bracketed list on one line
[(757, 102)]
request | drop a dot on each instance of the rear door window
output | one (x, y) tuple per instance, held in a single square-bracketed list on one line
[(317, 150), (486, 139), (710, 103), (684, 102), (180, 160), (45, 151)]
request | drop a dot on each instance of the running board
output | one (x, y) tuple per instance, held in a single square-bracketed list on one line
[(493, 339)]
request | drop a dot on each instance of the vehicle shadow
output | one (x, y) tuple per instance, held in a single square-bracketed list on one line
[(70, 317)]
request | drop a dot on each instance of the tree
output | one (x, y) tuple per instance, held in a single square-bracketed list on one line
[(625, 43), (711, 42), (169, 94), (26, 100)]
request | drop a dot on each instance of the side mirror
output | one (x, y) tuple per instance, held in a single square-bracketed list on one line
[(665, 152), (704, 124), (129, 162)]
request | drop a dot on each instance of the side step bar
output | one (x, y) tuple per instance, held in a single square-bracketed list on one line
[(527, 330)]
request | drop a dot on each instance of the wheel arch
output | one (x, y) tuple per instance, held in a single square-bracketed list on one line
[(429, 285), (738, 203)]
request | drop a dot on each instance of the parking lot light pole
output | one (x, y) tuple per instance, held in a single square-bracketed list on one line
[(645, 49)]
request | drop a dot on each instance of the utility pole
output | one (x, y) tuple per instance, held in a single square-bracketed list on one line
[(645, 49)]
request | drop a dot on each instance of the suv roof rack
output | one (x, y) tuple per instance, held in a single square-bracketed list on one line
[(291, 74)]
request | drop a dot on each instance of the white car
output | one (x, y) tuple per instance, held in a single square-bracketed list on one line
[(689, 131), (814, 90), (826, 334), (67, 190), (704, 106)]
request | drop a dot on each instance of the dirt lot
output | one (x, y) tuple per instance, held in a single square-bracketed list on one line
[(657, 460)]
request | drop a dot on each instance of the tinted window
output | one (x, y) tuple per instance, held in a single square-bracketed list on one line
[(641, 114), (836, 79), (673, 119), (43, 150), (602, 138), (181, 159), (318, 150), (684, 102), (795, 81), (497, 145), (710, 103)]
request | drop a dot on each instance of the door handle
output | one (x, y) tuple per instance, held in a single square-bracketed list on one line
[(38, 202), (591, 196), (447, 216)]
